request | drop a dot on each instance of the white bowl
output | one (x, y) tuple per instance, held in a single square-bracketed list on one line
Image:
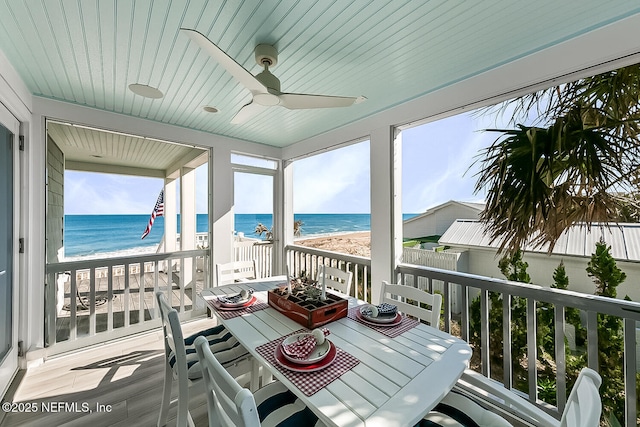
[(318, 353)]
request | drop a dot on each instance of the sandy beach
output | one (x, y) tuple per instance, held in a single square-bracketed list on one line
[(358, 243), (352, 243)]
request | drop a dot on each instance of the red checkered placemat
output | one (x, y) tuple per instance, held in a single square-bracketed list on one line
[(230, 314), (390, 331), (309, 382)]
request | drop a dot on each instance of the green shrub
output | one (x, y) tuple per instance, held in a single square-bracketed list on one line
[(607, 276)]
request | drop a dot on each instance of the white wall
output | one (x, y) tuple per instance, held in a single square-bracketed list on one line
[(437, 222), (541, 267), (15, 96), (55, 202)]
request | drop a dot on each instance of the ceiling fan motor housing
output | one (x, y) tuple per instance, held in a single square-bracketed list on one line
[(267, 56), (266, 53)]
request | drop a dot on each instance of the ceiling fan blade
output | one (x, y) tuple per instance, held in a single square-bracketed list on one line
[(247, 112), (296, 101), (240, 73)]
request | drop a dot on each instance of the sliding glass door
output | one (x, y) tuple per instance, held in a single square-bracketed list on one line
[(8, 288)]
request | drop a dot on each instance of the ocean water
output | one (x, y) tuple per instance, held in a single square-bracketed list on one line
[(90, 235)]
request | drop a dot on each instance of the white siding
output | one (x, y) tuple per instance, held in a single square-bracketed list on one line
[(435, 221)]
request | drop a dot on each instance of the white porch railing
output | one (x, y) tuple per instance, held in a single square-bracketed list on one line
[(259, 250), (454, 286), (305, 260), (443, 260), (464, 287), (88, 302), (467, 286)]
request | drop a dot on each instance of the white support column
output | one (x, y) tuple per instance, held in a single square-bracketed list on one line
[(222, 219), (283, 214), (386, 216), (32, 227), (170, 215), (187, 219)]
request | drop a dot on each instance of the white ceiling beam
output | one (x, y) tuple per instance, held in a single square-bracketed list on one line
[(114, 169), (193, 159)]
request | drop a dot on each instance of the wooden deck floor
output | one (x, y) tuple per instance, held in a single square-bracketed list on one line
[(125, 377)]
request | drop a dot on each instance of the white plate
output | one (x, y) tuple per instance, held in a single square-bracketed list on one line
[(235, 304), (378, 319), (318, 353)]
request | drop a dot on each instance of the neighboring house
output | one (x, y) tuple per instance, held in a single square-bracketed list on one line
[(436, 220), (574, 248)]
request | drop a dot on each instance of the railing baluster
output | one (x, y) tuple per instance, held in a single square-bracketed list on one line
[(51, 306), (126, 295), (73, 306), (507, 364), (447, 306), (156, 281), (464, 313), (592, 340), (484, 332), (110, 299), (631, 398), (194, 295), (141, 286), (183, 284), (561, 366), (532, 349), (92, 301)]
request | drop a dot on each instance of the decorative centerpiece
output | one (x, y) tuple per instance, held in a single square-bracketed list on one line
[(306, 302)]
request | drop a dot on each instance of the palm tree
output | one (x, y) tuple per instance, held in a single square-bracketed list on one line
[(261, 228), (578, 164)]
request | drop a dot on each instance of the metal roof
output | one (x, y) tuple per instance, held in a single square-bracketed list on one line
[(578, 240)]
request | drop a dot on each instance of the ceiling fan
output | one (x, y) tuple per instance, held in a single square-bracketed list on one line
[(265, 87)]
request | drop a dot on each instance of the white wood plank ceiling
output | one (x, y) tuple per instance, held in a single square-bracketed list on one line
[(101, 151), (87, 52)]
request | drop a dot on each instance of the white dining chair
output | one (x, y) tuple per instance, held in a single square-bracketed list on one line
[(235, 271), (334, 278), (583, 407), (182, 364), (230, 405), (413, 301)]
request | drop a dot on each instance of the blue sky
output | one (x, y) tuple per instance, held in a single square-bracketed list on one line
[(436, 159)]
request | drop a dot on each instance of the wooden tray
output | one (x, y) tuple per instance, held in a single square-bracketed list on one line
[(309, 314)]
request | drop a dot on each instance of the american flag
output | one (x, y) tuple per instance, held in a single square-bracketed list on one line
[(158, 210)]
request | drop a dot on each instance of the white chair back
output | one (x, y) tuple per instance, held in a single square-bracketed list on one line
[(400, 295), (174, 343), (334, 278), (229, 405), (584, 405), (231, 272)]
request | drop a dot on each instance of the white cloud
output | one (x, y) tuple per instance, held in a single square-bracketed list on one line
[(92, 193), (253, 193), (333, 182), (436, 161)]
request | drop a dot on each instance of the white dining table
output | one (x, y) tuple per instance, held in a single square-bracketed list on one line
[(397, 382)]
